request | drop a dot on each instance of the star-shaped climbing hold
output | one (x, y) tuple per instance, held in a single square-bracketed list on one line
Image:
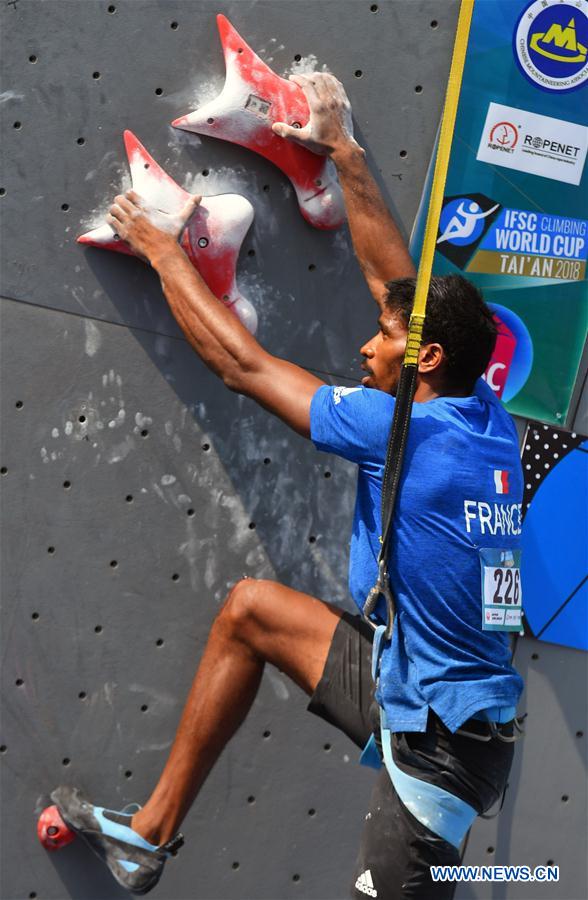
[(252, 99), (212, 240)]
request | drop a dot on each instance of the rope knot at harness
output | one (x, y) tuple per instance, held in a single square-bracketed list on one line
[(381, 588)]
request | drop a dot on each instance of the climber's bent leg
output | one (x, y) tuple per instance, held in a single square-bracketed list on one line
[(261, 621)]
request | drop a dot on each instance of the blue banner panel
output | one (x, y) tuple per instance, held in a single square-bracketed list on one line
[(514, 216)]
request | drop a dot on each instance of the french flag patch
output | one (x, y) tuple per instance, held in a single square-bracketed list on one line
[(501, 481)]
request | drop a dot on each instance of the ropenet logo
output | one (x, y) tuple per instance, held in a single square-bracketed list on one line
[(512, 360), (478, 234), (550, 44), (503, 136), (529, 142)]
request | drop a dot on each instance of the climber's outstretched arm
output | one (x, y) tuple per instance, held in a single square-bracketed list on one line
[(214, 332), (379, 246)]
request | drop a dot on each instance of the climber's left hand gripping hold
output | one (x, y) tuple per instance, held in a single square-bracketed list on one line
[(146, 228)]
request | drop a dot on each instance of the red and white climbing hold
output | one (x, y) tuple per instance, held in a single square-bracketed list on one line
[(212, 239), (252, 99)]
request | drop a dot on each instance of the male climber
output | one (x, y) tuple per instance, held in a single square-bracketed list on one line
[(446, 686)]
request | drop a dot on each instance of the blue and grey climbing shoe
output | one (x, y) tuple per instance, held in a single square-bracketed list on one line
[(135, 863)]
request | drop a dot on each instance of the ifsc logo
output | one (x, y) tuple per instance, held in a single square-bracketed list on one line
[(550, 44), (463, 223)]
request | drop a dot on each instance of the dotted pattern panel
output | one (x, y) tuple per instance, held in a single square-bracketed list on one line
[(543, 447), (544, 820)]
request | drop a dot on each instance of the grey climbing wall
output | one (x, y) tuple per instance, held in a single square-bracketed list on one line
[(543, 821), (136, 490)]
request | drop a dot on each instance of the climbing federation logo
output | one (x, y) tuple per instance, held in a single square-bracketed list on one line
[(550, 44)]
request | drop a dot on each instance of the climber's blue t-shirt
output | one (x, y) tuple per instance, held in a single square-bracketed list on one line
[(461, 490)]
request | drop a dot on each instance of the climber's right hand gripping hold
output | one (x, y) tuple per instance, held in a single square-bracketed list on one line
[(379, 246), (330, 126)]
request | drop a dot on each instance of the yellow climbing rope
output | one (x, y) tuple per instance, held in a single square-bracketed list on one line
[(417, 318)]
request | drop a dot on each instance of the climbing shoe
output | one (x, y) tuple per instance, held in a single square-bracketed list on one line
[(135, 863)]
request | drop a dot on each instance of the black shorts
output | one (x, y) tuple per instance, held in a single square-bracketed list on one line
[(396, 850)]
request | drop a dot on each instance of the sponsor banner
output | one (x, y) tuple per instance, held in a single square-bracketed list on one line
[(522, 140), (514, 215)]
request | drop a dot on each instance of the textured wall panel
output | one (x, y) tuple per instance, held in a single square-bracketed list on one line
[(56, 102), (544, 819), (136, 491)]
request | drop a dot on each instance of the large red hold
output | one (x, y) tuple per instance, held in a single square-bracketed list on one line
[(252, 99), (212, 239)]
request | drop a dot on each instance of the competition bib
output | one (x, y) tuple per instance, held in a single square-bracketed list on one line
[(501, 590)]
